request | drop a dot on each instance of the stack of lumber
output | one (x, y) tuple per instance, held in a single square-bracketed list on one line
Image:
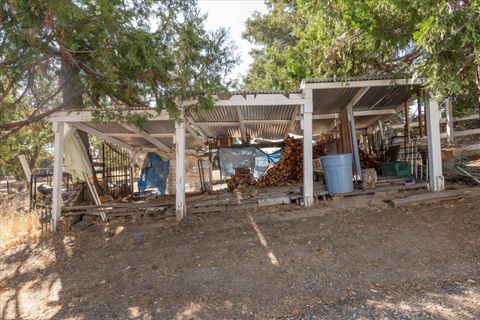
[(289, 169), (241, 177)]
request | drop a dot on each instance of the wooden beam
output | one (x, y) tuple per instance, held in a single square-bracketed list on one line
[(193, 123), (351, 118), (243, 130), (261, 100), (235, 123), (291, 124), (307, 110), (157, 143), (406, 112), (101, 135), (25, 167), (362, 83), (419, 113), (180, 210), (449, 118), (195, 136), (86, 116), (345, 141), (58, 129), (424, 198), (434, 146)]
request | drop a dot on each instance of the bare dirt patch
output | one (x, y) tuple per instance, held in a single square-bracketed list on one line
[(334, 261)]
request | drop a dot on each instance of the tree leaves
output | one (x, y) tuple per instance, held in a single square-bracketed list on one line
[(437, 40)]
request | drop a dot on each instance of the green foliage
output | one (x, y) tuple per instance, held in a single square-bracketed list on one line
[(107, 55), (435, 40), (34, 141), (118, 59)]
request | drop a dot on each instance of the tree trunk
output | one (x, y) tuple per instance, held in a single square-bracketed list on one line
[(477, 85), (34, 157), (73, 99)]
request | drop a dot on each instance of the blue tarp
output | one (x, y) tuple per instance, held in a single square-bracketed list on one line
[(154, 174), (274, 156), (247, 157)]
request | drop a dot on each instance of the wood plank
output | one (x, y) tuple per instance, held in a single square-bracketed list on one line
[(274, 201), (118, 206), (435, 196), (384, 189)]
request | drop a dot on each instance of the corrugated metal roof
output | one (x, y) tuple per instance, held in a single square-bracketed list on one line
[(266, 131), (228, 94), (358, 78), (224, 131), (217, 114), (325, 101), (388, 97), (332, 100), (109, 127), (321, 126), (366, 121), (160, 126), (268, 112)]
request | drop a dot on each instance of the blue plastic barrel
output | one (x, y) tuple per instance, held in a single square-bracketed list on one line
[(337, 169)]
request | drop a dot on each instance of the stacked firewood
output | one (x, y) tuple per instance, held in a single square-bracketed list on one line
[(241, 177), (289, 169), (318, 149), (369, 160)]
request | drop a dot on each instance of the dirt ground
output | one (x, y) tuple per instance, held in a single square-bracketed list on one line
[(355, 258)]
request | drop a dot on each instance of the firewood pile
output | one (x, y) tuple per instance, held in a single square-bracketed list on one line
[(241, 177), (318, 149), (369, 160), (289, 169)]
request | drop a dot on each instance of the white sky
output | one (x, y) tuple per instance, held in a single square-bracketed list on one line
[(232, 15)]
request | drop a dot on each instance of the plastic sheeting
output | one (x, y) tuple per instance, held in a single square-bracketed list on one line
[(246, 157), (154, 174), (76, 158)]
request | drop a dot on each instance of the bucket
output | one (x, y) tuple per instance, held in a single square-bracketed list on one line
[(337, 169)]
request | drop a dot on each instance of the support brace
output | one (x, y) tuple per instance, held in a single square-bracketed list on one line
[(180, 210), (58, 128), (433, 116), (307, 109)]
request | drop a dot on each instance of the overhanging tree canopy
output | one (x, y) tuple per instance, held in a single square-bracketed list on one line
[(108, 54), (437, 40)]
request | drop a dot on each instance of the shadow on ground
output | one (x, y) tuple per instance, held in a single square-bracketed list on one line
[(283, 262)]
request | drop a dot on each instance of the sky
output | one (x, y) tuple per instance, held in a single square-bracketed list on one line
[(232, 15)]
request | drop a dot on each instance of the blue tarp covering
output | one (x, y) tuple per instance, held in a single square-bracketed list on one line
[(247, 157), (154, 174), (275, 155)]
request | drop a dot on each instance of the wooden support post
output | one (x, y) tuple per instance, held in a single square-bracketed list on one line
[(434, 146), (356, 154), (449, 118), (425, 104), (25, 167), (180, 168), (307, 110), (58, 128), (406, 112), (380, 127), (243, 129), (419, 108), (345, 141)]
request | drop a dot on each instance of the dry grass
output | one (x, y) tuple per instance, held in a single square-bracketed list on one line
[(17, 225)]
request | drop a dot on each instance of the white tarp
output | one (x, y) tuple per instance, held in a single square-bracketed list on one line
[(76, 157)]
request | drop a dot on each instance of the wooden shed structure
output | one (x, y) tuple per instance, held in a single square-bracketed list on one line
[(313, 109)]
